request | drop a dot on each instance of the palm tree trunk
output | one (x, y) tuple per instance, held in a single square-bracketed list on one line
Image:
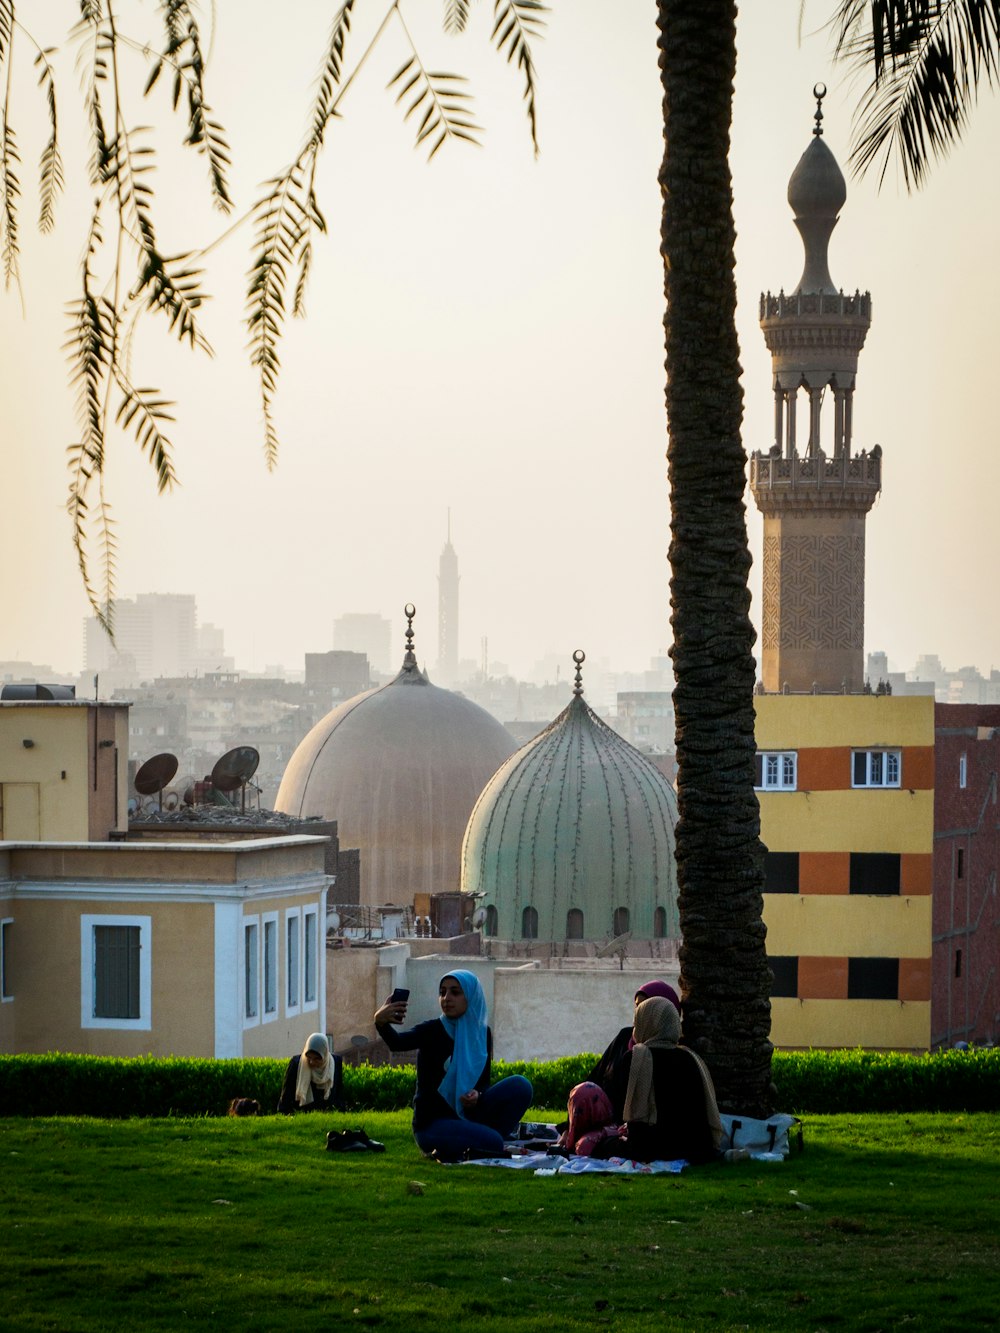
[(725, 977)]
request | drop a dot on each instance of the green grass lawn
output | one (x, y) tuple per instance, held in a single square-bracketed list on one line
[(882, 1223)]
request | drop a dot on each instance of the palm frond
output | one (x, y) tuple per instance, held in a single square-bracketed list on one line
[(141, 410), (514, 22), (330, 75), (50, 168), (90, 346), (282, 220), (456, 15), (10, 193), (183, 52), (924, 61), (6, 26), (440, 99)]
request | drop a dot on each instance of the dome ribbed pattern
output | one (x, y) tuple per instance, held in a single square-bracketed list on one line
[(577, 821)]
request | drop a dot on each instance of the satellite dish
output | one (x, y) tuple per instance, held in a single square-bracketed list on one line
[(235, 768), (333, 920), (618, 945), (154, 775), (479, 917)]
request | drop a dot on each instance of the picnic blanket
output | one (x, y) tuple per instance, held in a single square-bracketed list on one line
[(768, 1140)]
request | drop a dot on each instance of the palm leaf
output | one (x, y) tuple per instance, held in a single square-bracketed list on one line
[(456, 15), (330, 75), (50, 167), (183, 52), (142, 411), (443, 104), (6, 26), (924, 61), (514, 22), (10, 193)]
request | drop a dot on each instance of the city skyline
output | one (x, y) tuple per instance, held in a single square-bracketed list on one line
[(484, 335)]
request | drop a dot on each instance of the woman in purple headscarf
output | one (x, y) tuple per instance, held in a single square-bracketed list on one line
[(611, 1070), (457, 1113)]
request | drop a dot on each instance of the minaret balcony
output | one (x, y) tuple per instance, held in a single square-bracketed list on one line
[(816, 481)]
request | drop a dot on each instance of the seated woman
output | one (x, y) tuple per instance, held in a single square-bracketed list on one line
[(313, 1080), (456, 1112), (611, 1070), (670, 1110), (590, 1119)]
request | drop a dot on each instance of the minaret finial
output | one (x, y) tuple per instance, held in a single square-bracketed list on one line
[(819, 92), (579, 657)]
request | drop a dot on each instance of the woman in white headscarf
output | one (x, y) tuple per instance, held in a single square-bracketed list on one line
[(312, 1080), (670, 1109), (457, 1113)]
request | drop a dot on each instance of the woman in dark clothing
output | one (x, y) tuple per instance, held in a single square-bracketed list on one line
[(670, 1110), (456, 1112), (611, 1070), (313, 1080)]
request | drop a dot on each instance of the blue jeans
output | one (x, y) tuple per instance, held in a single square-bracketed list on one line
[(499, 1112)]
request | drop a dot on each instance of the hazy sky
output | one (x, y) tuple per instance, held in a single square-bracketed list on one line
[(484, 334)]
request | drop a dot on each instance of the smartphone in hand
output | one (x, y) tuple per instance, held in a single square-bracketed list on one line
[(399, 996)]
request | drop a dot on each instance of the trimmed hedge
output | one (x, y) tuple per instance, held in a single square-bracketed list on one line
[(821, 1082)]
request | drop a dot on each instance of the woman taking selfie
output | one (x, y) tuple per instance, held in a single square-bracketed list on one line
[(456, 1112)]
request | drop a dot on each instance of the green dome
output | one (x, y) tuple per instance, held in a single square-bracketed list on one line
[(573, 838)]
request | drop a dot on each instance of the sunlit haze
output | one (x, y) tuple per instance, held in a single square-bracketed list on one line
[(484, 335)]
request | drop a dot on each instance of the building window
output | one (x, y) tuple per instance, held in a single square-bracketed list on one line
[(115, 972), (271, 965), (251, 971), (490, 925), (781, 872), (786, 976), (875, 872), (6, 932), (873, 978), (574, 924), (775, 770), (620, 920), (958, 962), (293, 975), (959, 862), (660, 923), (963, 770), (310, 951), (529, 924), (876, 768)]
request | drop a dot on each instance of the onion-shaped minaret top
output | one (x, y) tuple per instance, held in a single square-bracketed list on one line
[(817, 192)]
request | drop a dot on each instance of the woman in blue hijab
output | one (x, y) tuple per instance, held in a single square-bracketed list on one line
[(456, 1112)]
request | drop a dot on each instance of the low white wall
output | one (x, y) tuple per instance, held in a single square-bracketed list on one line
[(539, 1014)]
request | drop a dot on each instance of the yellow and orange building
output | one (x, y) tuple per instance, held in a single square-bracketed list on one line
[(846, 789)]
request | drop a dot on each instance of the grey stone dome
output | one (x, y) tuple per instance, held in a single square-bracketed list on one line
[(573, 838), (399, 768)]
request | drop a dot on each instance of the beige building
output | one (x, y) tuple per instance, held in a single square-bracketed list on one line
[(197, 949), (63, 770)]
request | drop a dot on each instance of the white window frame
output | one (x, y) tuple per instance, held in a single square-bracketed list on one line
[(310, 914), (270, 969), (883, 768), (88, 920), (293, 968), (779, 770), (250, 970), (6, 931), (963, 770)]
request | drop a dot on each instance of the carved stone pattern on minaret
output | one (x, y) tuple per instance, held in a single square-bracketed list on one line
[(822, 592), (771, 591), (794, 337)]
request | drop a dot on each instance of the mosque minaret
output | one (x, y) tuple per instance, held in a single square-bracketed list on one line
[(812, 491)]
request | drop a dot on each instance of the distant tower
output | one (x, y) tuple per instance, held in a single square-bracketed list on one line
[(814, 501), (447, 668)]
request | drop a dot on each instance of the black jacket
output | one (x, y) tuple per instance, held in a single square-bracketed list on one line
[(433, 1047), (334, 1101)]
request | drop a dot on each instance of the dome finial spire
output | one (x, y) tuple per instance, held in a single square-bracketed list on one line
[(579, 657), (410, 657), (819, 92)]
